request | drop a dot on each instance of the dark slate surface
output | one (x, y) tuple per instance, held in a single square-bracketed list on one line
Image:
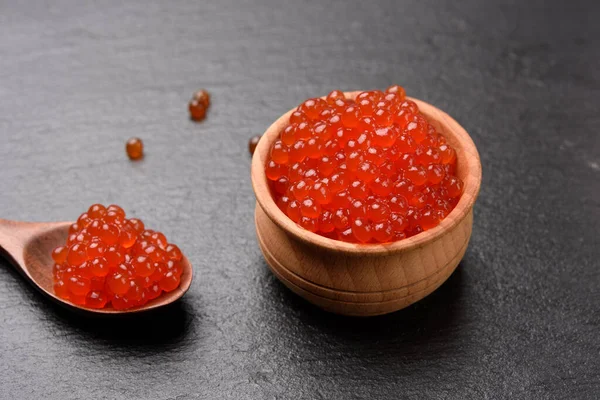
[(520, 318)]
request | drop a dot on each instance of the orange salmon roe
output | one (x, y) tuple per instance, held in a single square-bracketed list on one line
[(203, 97), (134, 148), (111, 260), (369, 170), (252, 143), (199, 104)]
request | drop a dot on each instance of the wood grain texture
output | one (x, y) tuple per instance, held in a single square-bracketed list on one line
[(28, 245), (362, 279), (517, 319), (359, 270), (393, 274)]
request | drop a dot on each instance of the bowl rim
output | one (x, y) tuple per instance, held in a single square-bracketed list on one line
[(466, 153)]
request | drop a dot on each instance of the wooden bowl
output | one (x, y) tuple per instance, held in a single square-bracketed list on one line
[(366, 279)]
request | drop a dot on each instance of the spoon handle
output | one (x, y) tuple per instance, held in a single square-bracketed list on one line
[(13, 236)]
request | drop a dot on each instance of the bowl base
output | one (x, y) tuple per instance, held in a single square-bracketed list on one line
[(288, 260)]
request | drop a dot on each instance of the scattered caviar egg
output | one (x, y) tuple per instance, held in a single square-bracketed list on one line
[(203, 97), (198, 105), (197, 110), (110, 260), (135, 148), (252, 143), (367, 170)]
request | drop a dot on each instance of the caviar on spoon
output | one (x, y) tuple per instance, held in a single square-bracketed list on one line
[(32, 249)]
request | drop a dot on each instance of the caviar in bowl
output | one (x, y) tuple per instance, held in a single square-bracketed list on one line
[(372, 278)]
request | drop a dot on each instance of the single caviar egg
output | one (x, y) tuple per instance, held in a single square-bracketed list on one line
[(252, 143), (134, 148), (111, 260), (198, 105), (197, 110), (367, 170), (203, 97)]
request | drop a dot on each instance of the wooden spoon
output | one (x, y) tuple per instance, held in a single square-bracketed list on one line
[(29, 245)]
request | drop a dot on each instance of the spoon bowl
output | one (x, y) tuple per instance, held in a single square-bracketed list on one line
[(29, 246)]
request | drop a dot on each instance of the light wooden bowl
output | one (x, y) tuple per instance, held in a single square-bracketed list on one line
[(366, 279)]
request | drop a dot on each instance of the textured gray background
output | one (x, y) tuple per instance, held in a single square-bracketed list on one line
[(518, 319)]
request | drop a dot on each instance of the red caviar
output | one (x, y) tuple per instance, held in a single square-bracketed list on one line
[(252, 143), (134, 148), (369, 170), (109, 259), (198, 105)]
